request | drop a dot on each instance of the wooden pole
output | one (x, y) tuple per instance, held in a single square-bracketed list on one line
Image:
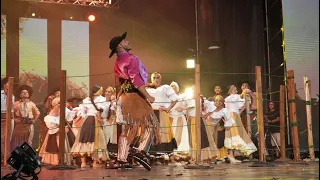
[(8, 132), (62, 132), (282, 123), (198, 112), (262, 155), (307, 91), (293, 116), (248, 99)]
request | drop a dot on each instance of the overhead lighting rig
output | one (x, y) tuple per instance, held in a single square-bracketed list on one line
[(97, 3)]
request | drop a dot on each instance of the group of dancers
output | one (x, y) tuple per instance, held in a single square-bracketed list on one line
[(147, 117)]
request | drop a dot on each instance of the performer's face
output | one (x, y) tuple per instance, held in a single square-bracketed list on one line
[(217, 89), (24, 94), (57, 94), (156, 79), (125, 45), (244, 86), (218, 103), (6, 88), (108, 93)]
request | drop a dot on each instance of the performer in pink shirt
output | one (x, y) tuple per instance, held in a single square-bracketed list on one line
[(133, 110)]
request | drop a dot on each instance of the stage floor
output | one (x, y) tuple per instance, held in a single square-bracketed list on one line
[(292, 171)]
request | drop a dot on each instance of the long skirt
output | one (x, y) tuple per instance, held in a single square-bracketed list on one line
[(49, 151), (180, 132), (219, 136), (168, 141), (208, 146), (237, 138), (22, 132), (90, 140)]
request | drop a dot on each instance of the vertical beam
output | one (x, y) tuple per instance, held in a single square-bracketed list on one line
[(293, 115), (8, 131), (307, 91), (62, 132), (262, 155), (198, 113), (282, 123), (54, 53), (12, 46)]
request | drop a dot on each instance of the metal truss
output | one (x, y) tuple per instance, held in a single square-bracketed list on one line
[(97, 3)]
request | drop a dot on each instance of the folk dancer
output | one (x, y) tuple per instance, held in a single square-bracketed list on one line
[(90, 141), (165, 100), (209, 149), (179, 124), (133, 111), (237, 138), (49, 151), (26, 114)]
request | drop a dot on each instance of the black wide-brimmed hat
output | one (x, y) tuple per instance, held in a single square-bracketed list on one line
[(24, 87), (114, 42)]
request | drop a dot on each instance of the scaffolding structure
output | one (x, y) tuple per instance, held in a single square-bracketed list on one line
[(96, 3)]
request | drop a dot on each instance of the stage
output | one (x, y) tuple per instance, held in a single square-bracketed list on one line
[(224, 171)]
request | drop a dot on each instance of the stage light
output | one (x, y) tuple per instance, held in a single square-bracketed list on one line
[(33, 14), (190, 63), (189, 92), (25, 160), (71, 17), (91, 18)]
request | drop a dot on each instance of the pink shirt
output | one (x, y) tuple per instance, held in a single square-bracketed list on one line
[(129, 67)]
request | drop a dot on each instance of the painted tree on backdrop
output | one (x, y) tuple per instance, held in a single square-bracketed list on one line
[(3, 25)]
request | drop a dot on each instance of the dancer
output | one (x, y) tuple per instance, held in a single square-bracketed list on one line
[(235, 105), (179, 124), (166, 99), (90, 140), (133, 109), (50, 149), (26, 114)]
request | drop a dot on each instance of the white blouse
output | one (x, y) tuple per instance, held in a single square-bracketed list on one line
[(53, 122), (87, 108), (234, 103), (164, 96), (182, 98), (223, 114), (191, 104)]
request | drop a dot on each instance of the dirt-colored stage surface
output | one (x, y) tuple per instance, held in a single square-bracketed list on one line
[(219, 171)]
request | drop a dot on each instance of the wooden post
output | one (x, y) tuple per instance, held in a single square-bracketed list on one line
[(198, 112), (307, 91), (8, 132), (293, 116), (248, 99), (262, 155), (282, 123), (62, 133)]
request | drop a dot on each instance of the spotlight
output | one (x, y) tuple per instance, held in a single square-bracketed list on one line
[(189, 91), (33, 14), (25, 160), (91, 18), (190, 63)]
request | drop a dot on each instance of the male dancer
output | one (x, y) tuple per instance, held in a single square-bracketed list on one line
[(134, 111)]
